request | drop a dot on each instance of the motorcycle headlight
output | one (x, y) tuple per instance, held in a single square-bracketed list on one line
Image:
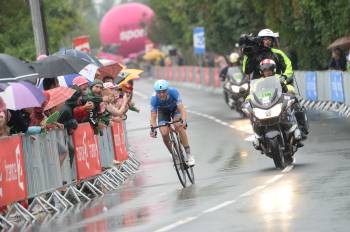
[(235, 88), (245, 86), (275, 111)]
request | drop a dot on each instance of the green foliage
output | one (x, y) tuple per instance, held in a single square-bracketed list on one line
[(16, 36), (64, 20), (305, 26)]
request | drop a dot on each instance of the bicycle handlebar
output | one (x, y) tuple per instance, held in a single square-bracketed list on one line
[(167, 124)]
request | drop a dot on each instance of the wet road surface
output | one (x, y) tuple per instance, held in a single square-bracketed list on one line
[(236, 189)]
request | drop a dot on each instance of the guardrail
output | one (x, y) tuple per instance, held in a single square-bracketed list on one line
[(30, 168), (321, 90)]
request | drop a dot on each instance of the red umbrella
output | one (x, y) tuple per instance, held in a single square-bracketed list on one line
[(111, 70), (58, 96)]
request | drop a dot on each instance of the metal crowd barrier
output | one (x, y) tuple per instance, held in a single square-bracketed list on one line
[(320, 90), (31, 169)]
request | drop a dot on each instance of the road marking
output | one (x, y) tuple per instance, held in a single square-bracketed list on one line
[(253, 191), (221, 205), (179, 223), (274, 179)]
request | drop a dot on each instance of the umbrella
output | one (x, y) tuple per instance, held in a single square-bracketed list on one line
[(13, 69), (343, 42), (20, 95), (67, 80), (58, 65), (127, 75), (111, 70), (82, 55), (3, 86), (58, 96), (154, 55)]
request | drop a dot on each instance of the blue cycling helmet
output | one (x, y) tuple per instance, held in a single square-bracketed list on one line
[(161, 85)]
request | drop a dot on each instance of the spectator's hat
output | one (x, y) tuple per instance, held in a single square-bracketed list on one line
[(96, 82), (80, 80), (109, 85)]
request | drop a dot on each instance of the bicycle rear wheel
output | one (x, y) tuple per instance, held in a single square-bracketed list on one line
[(179, 162), (189, 170)]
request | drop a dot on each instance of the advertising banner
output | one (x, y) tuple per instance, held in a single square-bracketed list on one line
[(217, 82), (337, 90), (119, 141), (87, 152), (82, 43), (311, 86), (206, 76), (13, 186), (198, 75), (198, 40)]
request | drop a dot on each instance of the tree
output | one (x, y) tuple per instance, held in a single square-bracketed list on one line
[(305, 26), (64, 20)]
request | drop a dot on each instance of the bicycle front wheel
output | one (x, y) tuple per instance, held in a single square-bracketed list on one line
[(189, 170), (179, 162)]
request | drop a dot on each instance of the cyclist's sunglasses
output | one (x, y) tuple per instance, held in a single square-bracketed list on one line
[(161, 91)]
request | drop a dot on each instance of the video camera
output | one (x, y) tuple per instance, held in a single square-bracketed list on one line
[(249, 44)]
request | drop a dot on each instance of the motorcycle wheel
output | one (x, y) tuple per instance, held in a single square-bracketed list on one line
[(277, 154)]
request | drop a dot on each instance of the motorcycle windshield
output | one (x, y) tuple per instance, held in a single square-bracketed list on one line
[(235, 75), (266, 91)]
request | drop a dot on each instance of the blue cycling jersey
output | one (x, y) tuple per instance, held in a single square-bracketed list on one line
[(170, 104)]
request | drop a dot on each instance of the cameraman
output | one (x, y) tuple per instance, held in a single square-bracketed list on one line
[(263, 49)]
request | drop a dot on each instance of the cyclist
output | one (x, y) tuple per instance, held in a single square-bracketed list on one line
[(166, 104)]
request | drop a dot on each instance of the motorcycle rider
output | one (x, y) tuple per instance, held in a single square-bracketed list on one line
[(233, 62), (267, 68), (283, 66)]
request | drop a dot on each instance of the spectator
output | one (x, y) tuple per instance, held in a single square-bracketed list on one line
[(66, 118), (50, 83), (37, 115), (81, 112), (108, 79), (37, 125), (95, 115), (338, 60), (115, 109), (19, 121), (82, 83), (66, 113), (61, 148), (4, 129)]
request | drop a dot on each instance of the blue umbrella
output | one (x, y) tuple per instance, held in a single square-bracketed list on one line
[(67, 80)]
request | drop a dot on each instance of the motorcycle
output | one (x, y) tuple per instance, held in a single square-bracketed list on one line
[(236, 89), (273, 119)]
